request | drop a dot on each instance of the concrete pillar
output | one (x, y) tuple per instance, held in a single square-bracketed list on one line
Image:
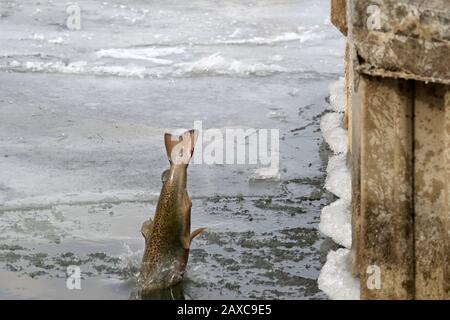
[(385, 240), (398, 75), (353, 109), (432, 190), (339, 15)]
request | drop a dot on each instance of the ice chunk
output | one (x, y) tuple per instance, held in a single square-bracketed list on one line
[(218, 65), (149, 54), (337, 96), (335, 278), (38, 37), (266, 174), (335, 222), (279, 115), (338, 179), (277, 57), (59, 66), (333, 133), (288, 36), (331, 121), (58, 40), (129, 71), (336, 162)]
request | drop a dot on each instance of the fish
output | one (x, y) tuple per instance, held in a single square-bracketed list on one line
[(168, 236)]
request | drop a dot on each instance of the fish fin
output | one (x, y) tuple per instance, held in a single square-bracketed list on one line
[(197, 232), (165, 176), (146, 229), (180, 148)]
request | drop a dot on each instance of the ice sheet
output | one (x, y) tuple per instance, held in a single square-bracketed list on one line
[(82, 115)]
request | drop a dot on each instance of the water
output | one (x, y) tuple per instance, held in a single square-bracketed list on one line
[(82, 114)]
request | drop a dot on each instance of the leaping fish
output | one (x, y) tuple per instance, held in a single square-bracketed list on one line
[(168, 237)]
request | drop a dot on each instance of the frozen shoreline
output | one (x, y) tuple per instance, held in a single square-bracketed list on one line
[(336, 279)]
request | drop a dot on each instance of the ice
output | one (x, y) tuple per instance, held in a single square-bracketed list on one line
[(266, 174), (216, 64), (138, 30), (338, 179), (336, 279), (302, 35), (277, 57), (333, 133), (279, 115), (288, 36), (82, 150), (331, 124), (337, 95), (83, 198), (128, 71), (60, 66), (77, 67), (150, 54), (58, 40), (39, 37), (335, 222)]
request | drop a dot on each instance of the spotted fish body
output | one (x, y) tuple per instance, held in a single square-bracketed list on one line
[(168, 236)]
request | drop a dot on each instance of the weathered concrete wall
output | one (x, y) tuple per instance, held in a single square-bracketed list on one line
[(406, 39), (399, 150)]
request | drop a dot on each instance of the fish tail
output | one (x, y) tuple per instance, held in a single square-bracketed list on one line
[(180, 148), (196, 233)]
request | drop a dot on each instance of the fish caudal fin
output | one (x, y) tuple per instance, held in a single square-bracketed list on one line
[(196, 233), (180, 148)]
